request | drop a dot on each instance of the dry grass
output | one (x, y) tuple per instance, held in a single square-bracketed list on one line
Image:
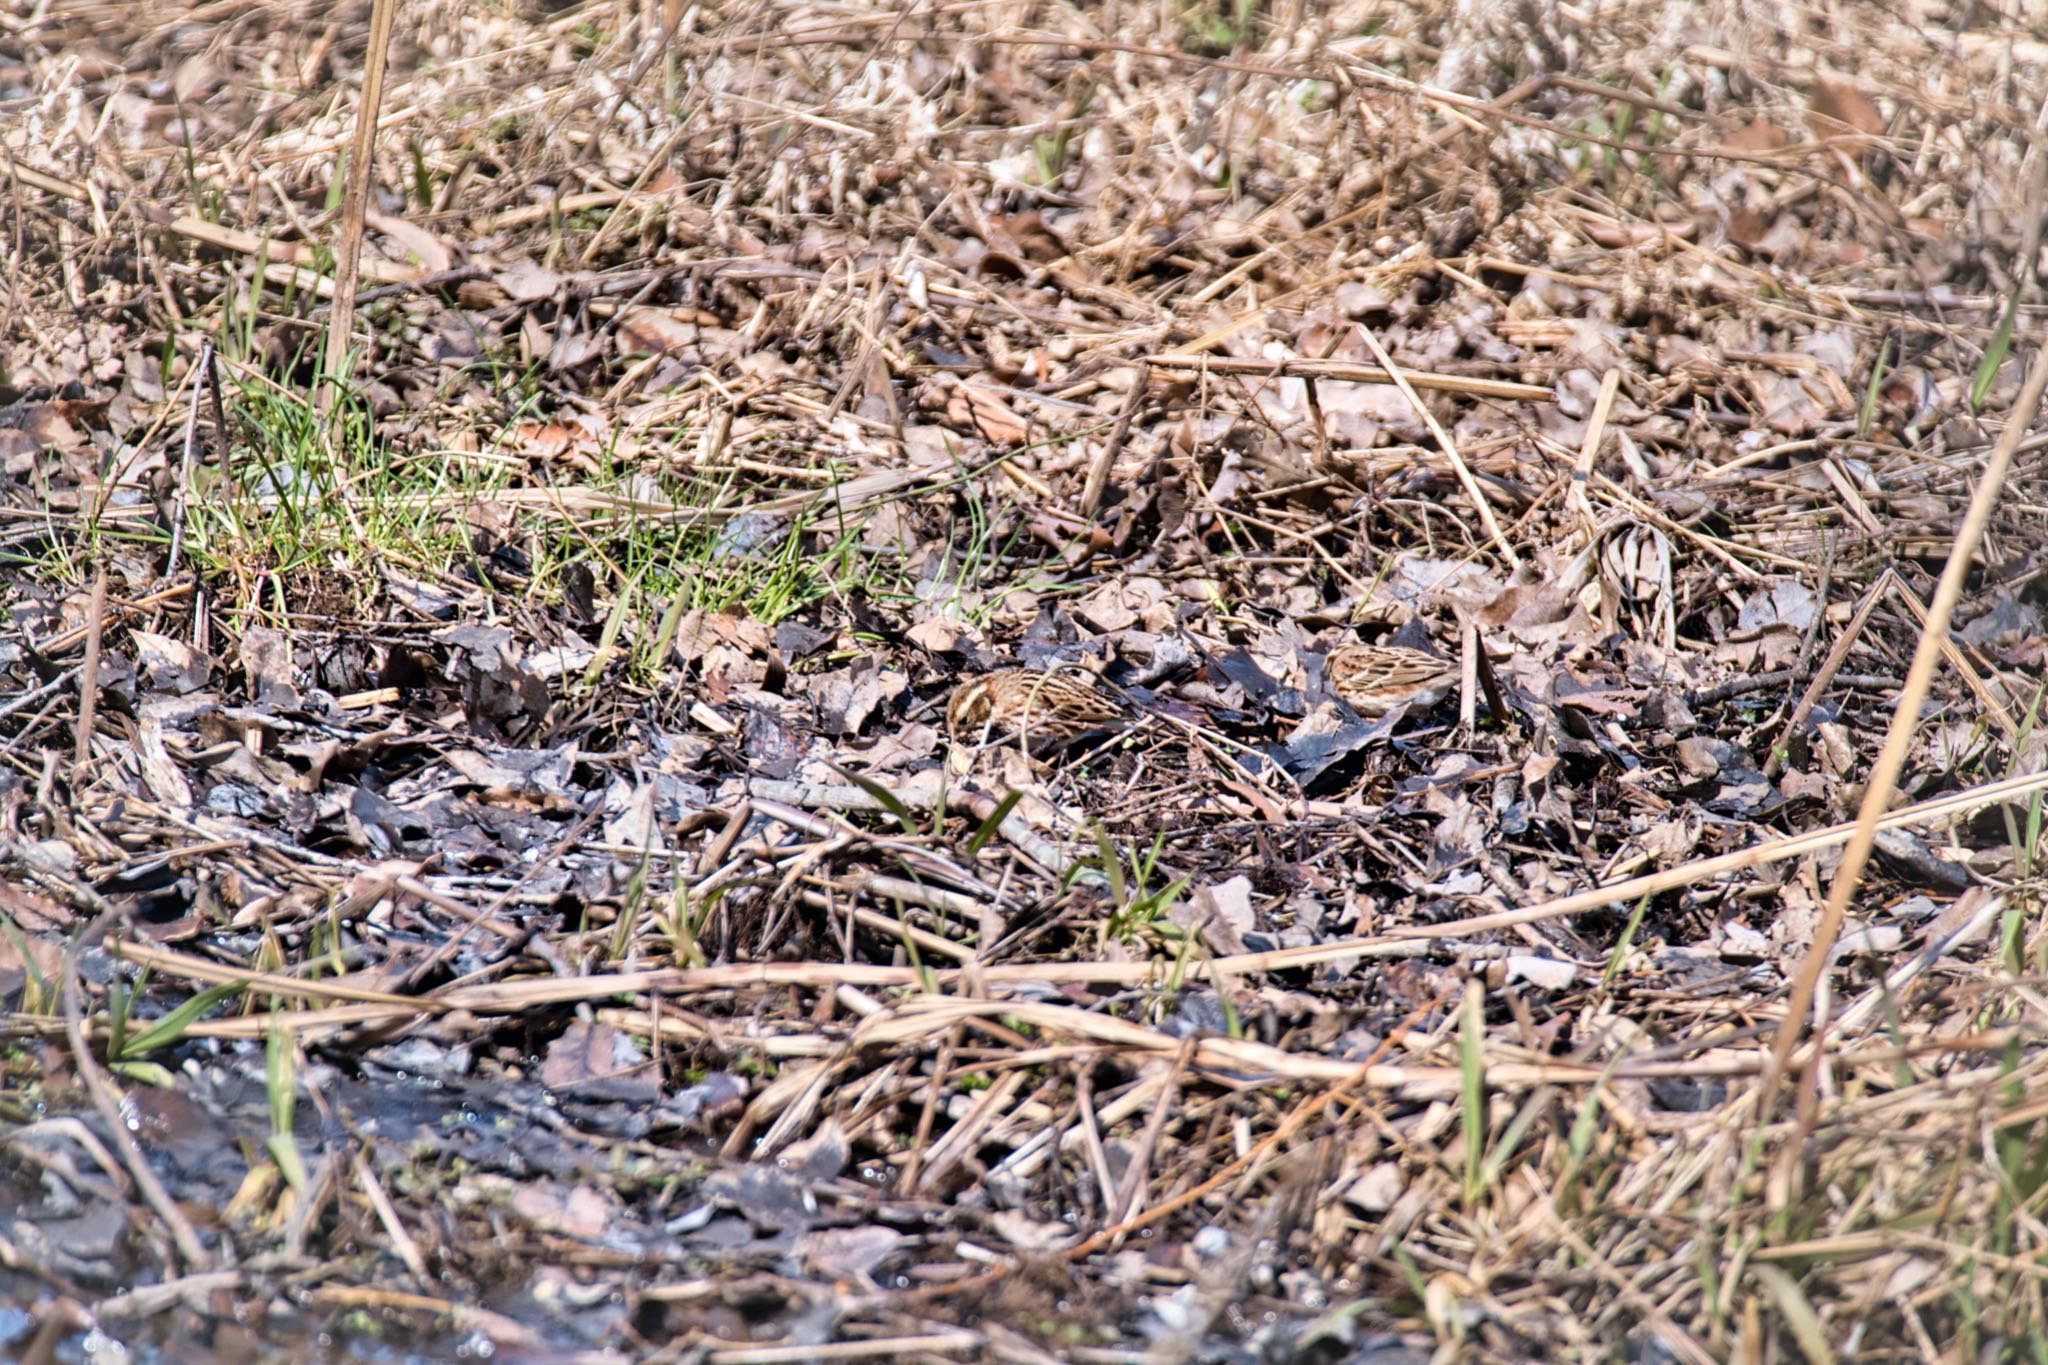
[(483, 862)]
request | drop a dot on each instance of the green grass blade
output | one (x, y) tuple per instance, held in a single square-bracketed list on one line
[(1112, 866), (281, 1081), (1619, 956), (1994, 354), (885, 798), (1866, 414), (987, 829), (1472, 1069), (171, 1027)]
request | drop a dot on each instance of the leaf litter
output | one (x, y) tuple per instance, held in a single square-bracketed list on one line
[(487, 868)]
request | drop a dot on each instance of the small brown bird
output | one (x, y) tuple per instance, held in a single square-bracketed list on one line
[(1042, 707), (1374, 679)]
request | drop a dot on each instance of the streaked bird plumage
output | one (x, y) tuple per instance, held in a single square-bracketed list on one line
[(1049, 707), (1374, 679)]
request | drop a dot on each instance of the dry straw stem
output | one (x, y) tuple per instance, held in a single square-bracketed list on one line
[(1351, 371), (1837, 655), (89, 677), (355, 202), (1368, 194), (293, 261), (364, 1007), (1884, 777), (467, 1316), (72, 997), (927, 1344), (1993, 704), (1447, 445), (1098, 472), (1656, 883), (1589, 451)]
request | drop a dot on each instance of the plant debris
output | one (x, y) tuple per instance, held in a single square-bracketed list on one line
[(1094, 683)]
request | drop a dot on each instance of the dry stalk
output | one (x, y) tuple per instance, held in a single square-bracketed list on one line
[(89, 674), (1448, 446), (355, 202), (190, 1248), (1884, 775)]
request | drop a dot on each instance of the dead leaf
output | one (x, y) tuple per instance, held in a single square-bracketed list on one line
[(434, 255), (525, 282), (266, 656), (848, 1253), (1785, 602), (1758, 136), (597, 1062), (170, 665), (580, 1211), (1221, 913), (937, 634), (1838, 111), (981, 409), (846, 697)]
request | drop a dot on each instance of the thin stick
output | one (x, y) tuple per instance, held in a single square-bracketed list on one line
[(89, 673), (1589, 449), (1959, 661), (185, 465), (1884, 776), (1838, 654), (1301, 367), (1302, 1114), (58, 644), (1651, 884), (341, 317), (1098, 473), (901, 1348), (1450, 448), (1124, 1206), (402, 1241), (1468, 674), (934, 1095), (28, 699), (72, 996)]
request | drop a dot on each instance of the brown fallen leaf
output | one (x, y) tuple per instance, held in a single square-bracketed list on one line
[(1839, 113), (982, 409)]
